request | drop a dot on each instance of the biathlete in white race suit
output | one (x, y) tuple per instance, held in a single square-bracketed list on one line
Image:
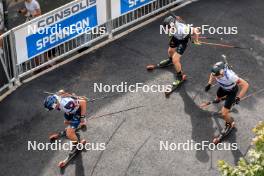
[(229, 84), (179, 36), (74, 109)]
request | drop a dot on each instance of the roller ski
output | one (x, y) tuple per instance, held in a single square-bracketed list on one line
[(57, 135), (228, 129), (163, 64), (175, 85), (71, 155)]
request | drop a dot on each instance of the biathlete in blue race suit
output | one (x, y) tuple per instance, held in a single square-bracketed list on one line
[(74, 109)]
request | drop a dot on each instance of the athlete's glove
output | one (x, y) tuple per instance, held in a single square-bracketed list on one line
[(80, 116), (207, 88), (237, 100)]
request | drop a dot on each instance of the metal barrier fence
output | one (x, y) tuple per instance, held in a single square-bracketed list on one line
[(13, 72), (141, 13), (7, 62)]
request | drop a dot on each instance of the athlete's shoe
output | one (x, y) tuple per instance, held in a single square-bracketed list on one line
[(216, 101), (176, 82), (165, 63)]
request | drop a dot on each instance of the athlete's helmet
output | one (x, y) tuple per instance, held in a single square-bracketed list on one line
[(217, 68), (168, 20), (50, 102)]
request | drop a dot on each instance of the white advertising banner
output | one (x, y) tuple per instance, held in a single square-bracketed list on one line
[(120, 7), (57, 27)]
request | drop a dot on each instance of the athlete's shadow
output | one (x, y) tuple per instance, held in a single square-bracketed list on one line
[(77, 160), (202, 124), (231, 139), (79, 169)]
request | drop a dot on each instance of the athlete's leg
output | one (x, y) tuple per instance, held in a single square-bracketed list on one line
[(175, 51), (229, 102), (173, 55), (220, 95), (176, 61), (165, 62), (72, 125), (70, 132), (83, 106), (226, 115)]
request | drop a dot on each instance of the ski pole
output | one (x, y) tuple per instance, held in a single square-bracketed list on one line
[(242, 99), (117, 112), (226, 46), (68, 94), (83, 97), (252, 94), (209, 38), (205, 104)]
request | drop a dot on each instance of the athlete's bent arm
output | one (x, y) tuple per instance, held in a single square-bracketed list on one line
[(211, 79), (209, 84), (83, 105), (37, 13), (244, 87)]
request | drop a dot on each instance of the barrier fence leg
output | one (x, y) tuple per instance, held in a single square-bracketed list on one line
[(14, 58), (109, 24)]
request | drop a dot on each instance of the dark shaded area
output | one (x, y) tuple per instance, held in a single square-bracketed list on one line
[(3, 78)]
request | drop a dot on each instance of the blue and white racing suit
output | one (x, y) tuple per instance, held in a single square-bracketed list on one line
[(71, 108)]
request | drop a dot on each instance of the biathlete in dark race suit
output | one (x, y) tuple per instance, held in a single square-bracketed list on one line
[(229, 91), (179, 36)]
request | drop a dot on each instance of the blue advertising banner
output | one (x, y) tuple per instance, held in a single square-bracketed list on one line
[(62, 31), (128, 5)]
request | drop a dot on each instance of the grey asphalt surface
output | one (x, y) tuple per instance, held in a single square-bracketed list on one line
[(132, 138)]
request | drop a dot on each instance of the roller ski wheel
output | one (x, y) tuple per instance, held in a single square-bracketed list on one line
[(175, 86), (71, 155), (224, 134), (216, 140), (162, 64), (151, 67), (61, 164), (53, 137), (83, 141)]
